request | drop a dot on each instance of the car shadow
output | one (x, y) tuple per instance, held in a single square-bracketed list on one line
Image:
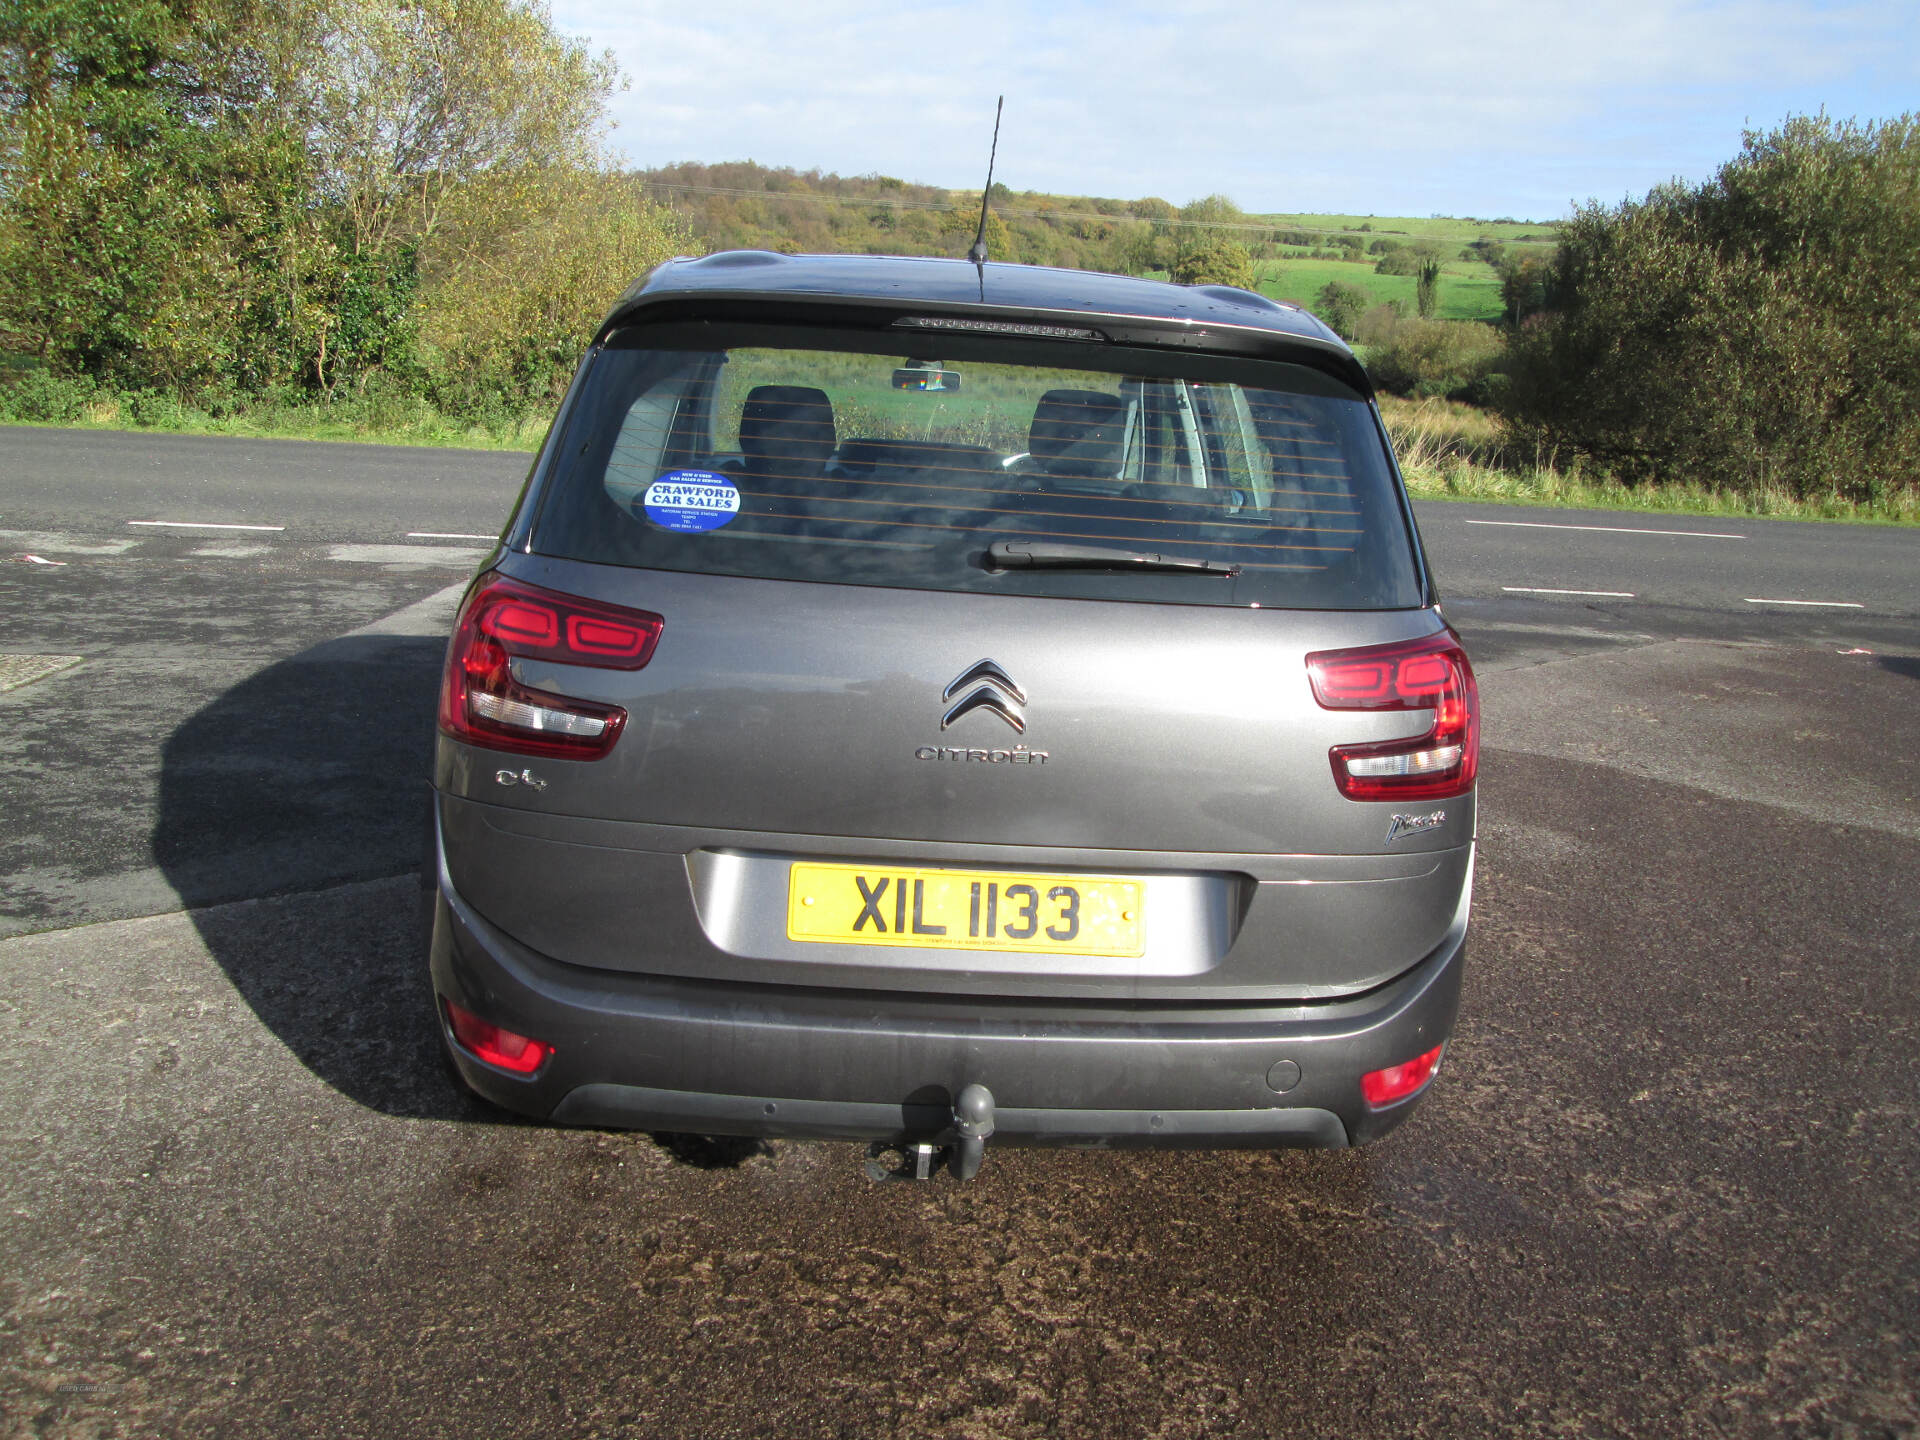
[(1907, 665), (307, 781), (284, 805)]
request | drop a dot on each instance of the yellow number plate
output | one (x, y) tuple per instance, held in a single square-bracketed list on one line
[(966, 909)]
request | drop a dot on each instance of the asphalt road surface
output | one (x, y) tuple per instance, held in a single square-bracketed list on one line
[(1664, 1186)]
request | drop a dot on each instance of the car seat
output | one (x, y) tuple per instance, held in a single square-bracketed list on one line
[(1078, 434), (786, 433)]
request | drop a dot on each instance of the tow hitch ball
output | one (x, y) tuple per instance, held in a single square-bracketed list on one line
[(961, 1148)]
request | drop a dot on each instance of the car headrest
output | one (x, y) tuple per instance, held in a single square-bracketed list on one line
[(1078, 432), (787, 426)]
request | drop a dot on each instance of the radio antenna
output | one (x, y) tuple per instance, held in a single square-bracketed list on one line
[(978, 254)]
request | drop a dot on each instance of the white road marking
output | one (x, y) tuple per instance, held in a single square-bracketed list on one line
[(431, 616), (203, 525), (1576, 632), (1538, 590), (1610, 529), (1824, 604), (445, 535), (38, 540), (229, 552), (17, 669), (457, 555)]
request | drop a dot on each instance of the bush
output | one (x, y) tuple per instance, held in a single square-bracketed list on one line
[(151, 409), (1215, 261), (520, 274), (1377, 325), (1754, 333), (37, 397), (1451, 359), (1526, 286), (1341, 307)]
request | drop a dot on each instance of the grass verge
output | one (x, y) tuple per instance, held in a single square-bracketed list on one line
[(383, 420), (1450, 451)]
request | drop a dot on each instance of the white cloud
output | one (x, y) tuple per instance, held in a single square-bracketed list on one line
[(1392, 106)]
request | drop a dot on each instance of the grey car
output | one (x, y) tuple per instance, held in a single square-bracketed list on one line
[(945, 704)]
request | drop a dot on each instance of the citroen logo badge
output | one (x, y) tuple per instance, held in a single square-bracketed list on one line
[(994, 690)]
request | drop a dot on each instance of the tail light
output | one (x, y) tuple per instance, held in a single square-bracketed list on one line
[(487, 1042), (1429, 674), (1381, 1088), (504, 620)]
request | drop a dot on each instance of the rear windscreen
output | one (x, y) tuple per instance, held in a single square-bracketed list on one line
[(999, 465)]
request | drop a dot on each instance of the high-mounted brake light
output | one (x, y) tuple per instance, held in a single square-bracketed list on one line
[(1380, 1088), (1428, 674), (996, 327), (487, 1042), (482, 703)]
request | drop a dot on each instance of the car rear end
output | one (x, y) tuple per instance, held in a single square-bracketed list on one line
[(883, 692)]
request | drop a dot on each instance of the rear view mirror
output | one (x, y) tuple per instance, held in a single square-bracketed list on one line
[(926, 375)]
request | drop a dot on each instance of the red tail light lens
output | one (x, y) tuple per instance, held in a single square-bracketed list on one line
[(1430, 674), (503, 620), (487, 1042), (1381, 1088)]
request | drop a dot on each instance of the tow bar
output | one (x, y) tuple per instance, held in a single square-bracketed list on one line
[(962, 1148)]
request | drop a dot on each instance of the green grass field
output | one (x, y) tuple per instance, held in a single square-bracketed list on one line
[(1448, 230), (1468, 289)]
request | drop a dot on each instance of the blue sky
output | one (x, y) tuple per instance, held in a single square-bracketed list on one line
[(1388, 107)]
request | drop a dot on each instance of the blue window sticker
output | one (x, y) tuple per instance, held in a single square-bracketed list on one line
[(691, 501)]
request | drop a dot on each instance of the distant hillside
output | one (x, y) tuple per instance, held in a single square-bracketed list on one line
[(743, 205), (749, 205)]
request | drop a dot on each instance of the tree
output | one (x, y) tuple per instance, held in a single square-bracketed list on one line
[(527, 262), (413, 97), (1341, 306), (999, 239), (207, 194), (1212, 210), (150, 200), (1407, 259), (1753, 332), (1525, 287), (1212, 260), (1426, 287)]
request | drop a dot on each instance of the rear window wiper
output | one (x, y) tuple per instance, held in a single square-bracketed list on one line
[(1058, 555)]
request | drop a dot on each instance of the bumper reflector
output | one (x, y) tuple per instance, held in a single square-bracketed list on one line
[(489, 1044), (1382, 1088)]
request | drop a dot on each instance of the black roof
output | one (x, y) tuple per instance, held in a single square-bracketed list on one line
[(1213, 317)]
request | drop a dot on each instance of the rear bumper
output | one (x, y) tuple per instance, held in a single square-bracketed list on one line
[(665, 1053)]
